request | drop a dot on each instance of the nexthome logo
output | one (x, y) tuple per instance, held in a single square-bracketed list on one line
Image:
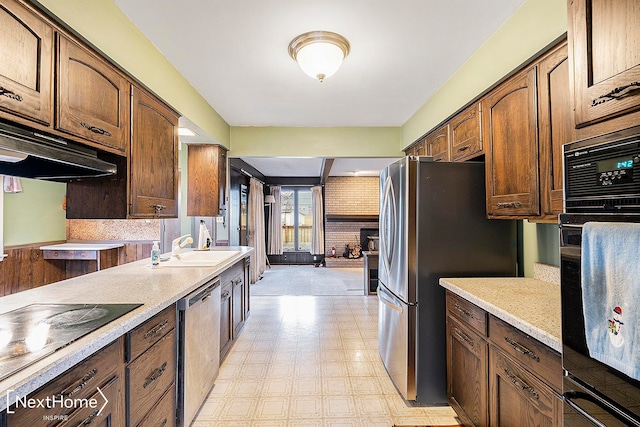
[(57, 401)]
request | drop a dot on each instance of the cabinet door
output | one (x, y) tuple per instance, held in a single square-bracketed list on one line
[(247, 292), (421, 148), (438, 144), (466, 135), (467, 386), (112, 414), (510, 135), (605, 38), (556, 127), (238, 305), (206, 180), (154, 158), (517, 398), (226, 331), (92, 98), (26, 68)]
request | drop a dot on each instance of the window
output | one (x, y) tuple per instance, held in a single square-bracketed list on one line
[(297, 219)]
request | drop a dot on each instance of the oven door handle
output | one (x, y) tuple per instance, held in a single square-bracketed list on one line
[(568, 396)]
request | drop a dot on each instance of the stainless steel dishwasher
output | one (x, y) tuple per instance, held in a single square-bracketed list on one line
[(199, 348)]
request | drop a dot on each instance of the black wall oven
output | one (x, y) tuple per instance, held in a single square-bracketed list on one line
[(602, 184)]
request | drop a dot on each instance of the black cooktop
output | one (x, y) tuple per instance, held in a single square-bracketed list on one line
[(30, 333)]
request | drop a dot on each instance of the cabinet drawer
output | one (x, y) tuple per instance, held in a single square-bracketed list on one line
[(230, 274), (164, 413), (527, 351), (466, 137), (517, 397), (467, 313), (150, 332), (79, 382), (149, 376), (110, 415)]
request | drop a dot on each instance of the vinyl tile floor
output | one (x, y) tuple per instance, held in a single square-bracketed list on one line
[(310, 361), (309, 280)]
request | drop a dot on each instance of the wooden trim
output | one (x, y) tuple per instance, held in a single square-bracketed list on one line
[(351, 218)]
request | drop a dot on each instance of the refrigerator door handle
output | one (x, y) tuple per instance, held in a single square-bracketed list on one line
[(388, 218), (389, 300)]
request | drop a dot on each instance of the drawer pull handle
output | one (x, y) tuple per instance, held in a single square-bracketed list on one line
[(463, 310), (157, 374), (158, 208), (522, 349), (71, 390), (156, 329), (90, 419), (95, 129), (518, 382), (465, 148), (503, 205), (225, 295), (163, 423), (617, 93), (10, 94), (464, 337)]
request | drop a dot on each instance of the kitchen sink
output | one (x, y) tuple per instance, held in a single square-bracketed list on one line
[(198, 259)]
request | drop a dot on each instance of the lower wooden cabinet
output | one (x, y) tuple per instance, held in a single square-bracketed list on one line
[(496, 374), (107, 416), (226, 327), (467, 385), (518, 398), (103, 369)]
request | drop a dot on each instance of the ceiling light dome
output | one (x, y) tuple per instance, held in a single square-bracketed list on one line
[(319, 53)]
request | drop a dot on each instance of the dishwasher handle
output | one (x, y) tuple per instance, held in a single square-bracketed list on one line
[(200, 295)]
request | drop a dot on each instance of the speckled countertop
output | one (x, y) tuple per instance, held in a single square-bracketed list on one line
[(531, 305), (136, 282)]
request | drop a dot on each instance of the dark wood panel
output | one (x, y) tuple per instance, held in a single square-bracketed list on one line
[(25, 268), (207, 179)]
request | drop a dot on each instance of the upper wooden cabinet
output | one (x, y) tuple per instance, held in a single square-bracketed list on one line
[(466, 135), (556, 126), (207, 179), (605, 40), (438, 144), (26, 68), (509, 128), (92, 98), (153, 160)]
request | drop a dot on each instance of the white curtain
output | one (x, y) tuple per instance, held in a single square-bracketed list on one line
[(256, 230), (317, 228), (275, 223)]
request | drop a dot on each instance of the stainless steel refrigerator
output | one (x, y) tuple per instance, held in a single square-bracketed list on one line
[(432, 225)]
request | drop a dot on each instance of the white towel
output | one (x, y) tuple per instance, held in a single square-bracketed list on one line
[(611, 294)]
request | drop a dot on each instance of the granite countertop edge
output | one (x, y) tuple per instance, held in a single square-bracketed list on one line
[(134, 282), (547, 333)]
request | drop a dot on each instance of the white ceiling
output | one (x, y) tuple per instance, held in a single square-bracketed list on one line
[(312, 166), (234, 52)]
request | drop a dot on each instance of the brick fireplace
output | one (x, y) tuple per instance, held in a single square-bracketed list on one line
[(351, 204)]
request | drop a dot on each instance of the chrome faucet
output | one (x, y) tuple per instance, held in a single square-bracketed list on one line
[(176, 245)]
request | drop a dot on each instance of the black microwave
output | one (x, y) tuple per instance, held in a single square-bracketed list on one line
[(602, 174)]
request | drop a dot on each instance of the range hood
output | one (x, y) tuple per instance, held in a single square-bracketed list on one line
[(30, 154)]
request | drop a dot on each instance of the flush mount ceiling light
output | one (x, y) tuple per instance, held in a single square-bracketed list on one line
[(319, 53)]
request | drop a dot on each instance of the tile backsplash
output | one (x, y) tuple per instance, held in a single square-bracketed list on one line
[(546, 272), (113, 229)]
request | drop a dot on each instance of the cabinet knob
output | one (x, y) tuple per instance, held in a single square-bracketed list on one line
[(158, 208)]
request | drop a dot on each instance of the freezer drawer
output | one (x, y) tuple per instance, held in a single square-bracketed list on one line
[(396, 341)]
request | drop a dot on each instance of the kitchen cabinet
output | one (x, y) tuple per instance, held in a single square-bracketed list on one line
[(103, 369), (206, 180), (92, 97), (556, 126), (106, 416), (496, 374), (247, 285), (466, 134), (26, 69), (153, 161), (226, 311), (605, 44), (437, 144), (151, 370), (509, 130), (467, 358), (238, 303)]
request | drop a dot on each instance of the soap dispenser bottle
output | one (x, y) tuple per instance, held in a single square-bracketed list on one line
[(155, 254)]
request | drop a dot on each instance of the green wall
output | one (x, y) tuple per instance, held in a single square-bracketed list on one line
[(36, 214), (330, 142)]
